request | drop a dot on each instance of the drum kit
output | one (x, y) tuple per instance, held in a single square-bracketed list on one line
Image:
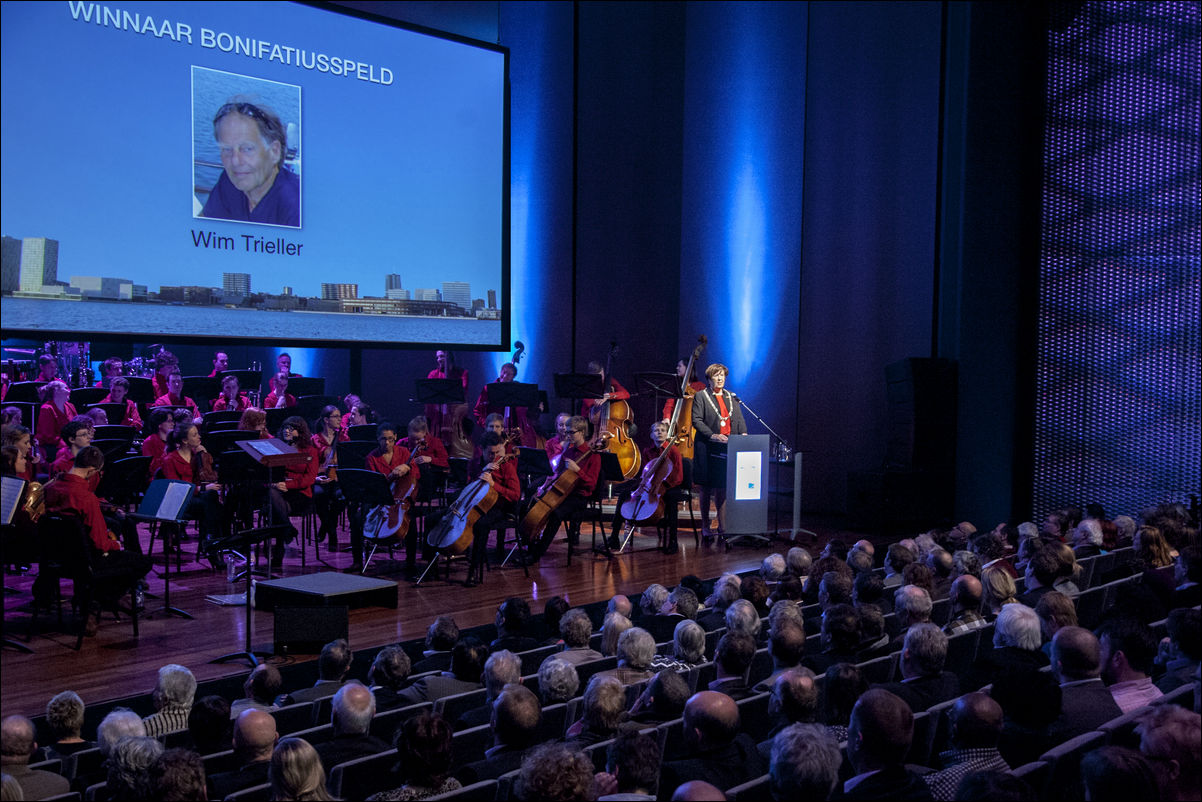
[(73, 360)]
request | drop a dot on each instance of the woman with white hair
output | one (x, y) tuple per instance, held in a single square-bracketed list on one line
[(688, 648), (1016, 640), (173, 694)]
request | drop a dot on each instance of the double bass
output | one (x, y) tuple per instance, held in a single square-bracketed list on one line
[(684, 405), (615, 418), (453, 534), (559, 486)]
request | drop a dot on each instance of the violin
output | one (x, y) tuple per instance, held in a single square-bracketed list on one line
[(453, 534), (553, 492), (615, 417)]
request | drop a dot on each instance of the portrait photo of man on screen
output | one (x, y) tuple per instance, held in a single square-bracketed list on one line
[(258, 180)]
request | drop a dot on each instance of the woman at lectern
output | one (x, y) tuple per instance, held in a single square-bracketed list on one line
[(717, 415)]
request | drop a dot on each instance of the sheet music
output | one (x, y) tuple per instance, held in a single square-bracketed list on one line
[(12, 487), (173, 501), (265, 447)]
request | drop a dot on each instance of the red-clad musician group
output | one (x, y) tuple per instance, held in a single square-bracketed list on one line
[(172, 437)]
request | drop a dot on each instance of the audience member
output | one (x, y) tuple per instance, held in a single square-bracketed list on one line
[(210, 725), (924, 682), (620, 604), (732, 660), (332, 666), (804, 763), (1043, 570), (631, 769), (786, 647), (844, 685), (173, 695), (726, 592), (878, 737), (835, 588), (296, 772), (500, 669), (994, 786), (603, 709), (575, 629), (423, 746), (441, 637), (116, 725), (942, 567), (387, 676), (262, 686), (553, 612), (558, 681), (353, 709), (975, 725), (1086, 703), (17, 744), (998, 590), (1055, 611), (912, 605), (897, 557), (635, 650), (966, 564), (874, 639), (840, 639), (1171, 737), (1119, 774), (965, 595), (773, 567), (794, 700), (860, 562), (1016, 642), (662, 700), (1128, 650), (255, 737), (128, 767), (516, 719), (1188, 576), (513, 627), (467, 666), (698, 791), (1031, 708), (1087, 538), (715, 750), (870, 589), (64, 719), (1181, 650), (611, 629), (652, 600), (177, 776), (555, 773), (797, 562)]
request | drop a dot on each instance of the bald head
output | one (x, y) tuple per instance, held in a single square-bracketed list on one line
[(880, 731), (698, 791), (865, 546), (1076, 654), (976, 721), (16, 739), (966, 592), (711, 719), (353, 709), (620, 604), (255, 735)]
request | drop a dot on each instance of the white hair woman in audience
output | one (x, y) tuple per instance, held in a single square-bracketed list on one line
[(558, 681), (798, 562), (173, 695), (611, 629), (688, 648), (1016, 641), (652, 599), (128, 766), (118, 724), (804, 764), (64, 718), (296, 772), (741, 616), (773, 568), (636, 648)]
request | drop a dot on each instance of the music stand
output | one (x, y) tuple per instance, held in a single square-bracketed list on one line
[(247, 538), (166, 501), (13, 489), (23, 391), (533, 462), (439, 391), (202, 389), (579, 385), (86, 396), (249, 381), (512, 394), (369, 489), (306, 385), (141, 389), (353, 453)]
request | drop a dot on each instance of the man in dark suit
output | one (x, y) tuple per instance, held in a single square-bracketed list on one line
[(1042, 572), (354, 707), (516, 721), (715, 750), (786, 646), (840, 639), (254, 740), (1086, 702), (732, 659), (441, 637), (467, 665), (387, 676), (500, 669), (680, 606), (513, 627), (924, 682), (1188, 575), (878, 737), (17, 736), (332, 665)]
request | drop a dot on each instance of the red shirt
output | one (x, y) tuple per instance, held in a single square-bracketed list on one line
[(132, 418), (670, 404), (269, 401), (433, 448), (50, 426), (159, 383), (323, 445), (618, 393), (506, 482), (400, 456), (302, 477), (177, 468), (220, 404), (553, 447), (168, 400), (590, 469), (676, 475), (156, 449), (70, 493)]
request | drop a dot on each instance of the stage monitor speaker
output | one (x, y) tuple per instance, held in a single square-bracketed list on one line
[(304, 630)]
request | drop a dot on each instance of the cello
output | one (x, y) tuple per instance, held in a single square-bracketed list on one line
[(392, 520), (559, 486), (453, 534), (614, 417)]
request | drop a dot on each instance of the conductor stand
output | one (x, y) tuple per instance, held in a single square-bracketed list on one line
[(781, 454), (246, 539), (166, 501)]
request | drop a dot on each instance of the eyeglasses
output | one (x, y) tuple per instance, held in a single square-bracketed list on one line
[(248, 109)]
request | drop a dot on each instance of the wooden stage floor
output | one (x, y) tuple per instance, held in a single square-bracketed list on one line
[(115, 664)]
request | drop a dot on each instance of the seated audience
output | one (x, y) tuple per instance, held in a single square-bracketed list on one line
[(1118, 774), (332, 666), (786, 647), (635, 650), (874, 639), (128, 767), (173, 695), (255, 737), (794, 700), (662, 700), (1016, 642), (1128, 651), (897, 557), (575, 629), (467, 666), (726, 592), (870, 589), (772, 568), (1055, 611), (688, 649), (1031, 710), (942, 567), (997, 589), (835, 588), (353, 709), (262, 686), (387, 676), (966, 564), (965, 595), (555, 773), (1042, 572), (210, 725), (1188, 576), (804, 763), (558, 681), (441, 637), (118, 724), (621, 604), (177, 776), (611, 630), (732, 659), (715, 749), (631, 769), (1181, 650), (1086, 704), (64, 720), (1171, 737), (994, 786), (296, 772), (652, 600), (513, 627), (911, 605), (845, 684), (797, 562), (423, 745), (878, 737), (924, 682), (840, 639), (17, 744), (755, 590), (500, 669), (975, 725), (516, 720), (604, 708)]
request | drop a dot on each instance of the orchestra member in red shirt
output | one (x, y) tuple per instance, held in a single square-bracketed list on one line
[(76, 435), (562, 434), (577, 457), (53, 415), (695, 386), (293, 495), (113, 569), (283, 364), (392, 460), (188, 461), (155, 446), (279, 398), (118, 390), (327, 495), (670, 491), (231, 399), (110, 369), (437, 414), (19, 437), (221, 363), (47, 368), (254, 420), (174, 397), (614, 391), (432, 457), (164, 363)]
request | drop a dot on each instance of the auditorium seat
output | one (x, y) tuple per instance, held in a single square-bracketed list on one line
[(291, 718), (1065, 762), (385, 724), (750, 790), (484, 791), (1034, 774), (256, 793), (753, 716), (361, 777), (879, 669), (1090, 606), (452, 707), (961, 653), (532, 659), (469, 745)]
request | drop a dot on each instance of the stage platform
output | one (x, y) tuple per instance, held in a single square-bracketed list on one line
[(326, 589)]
